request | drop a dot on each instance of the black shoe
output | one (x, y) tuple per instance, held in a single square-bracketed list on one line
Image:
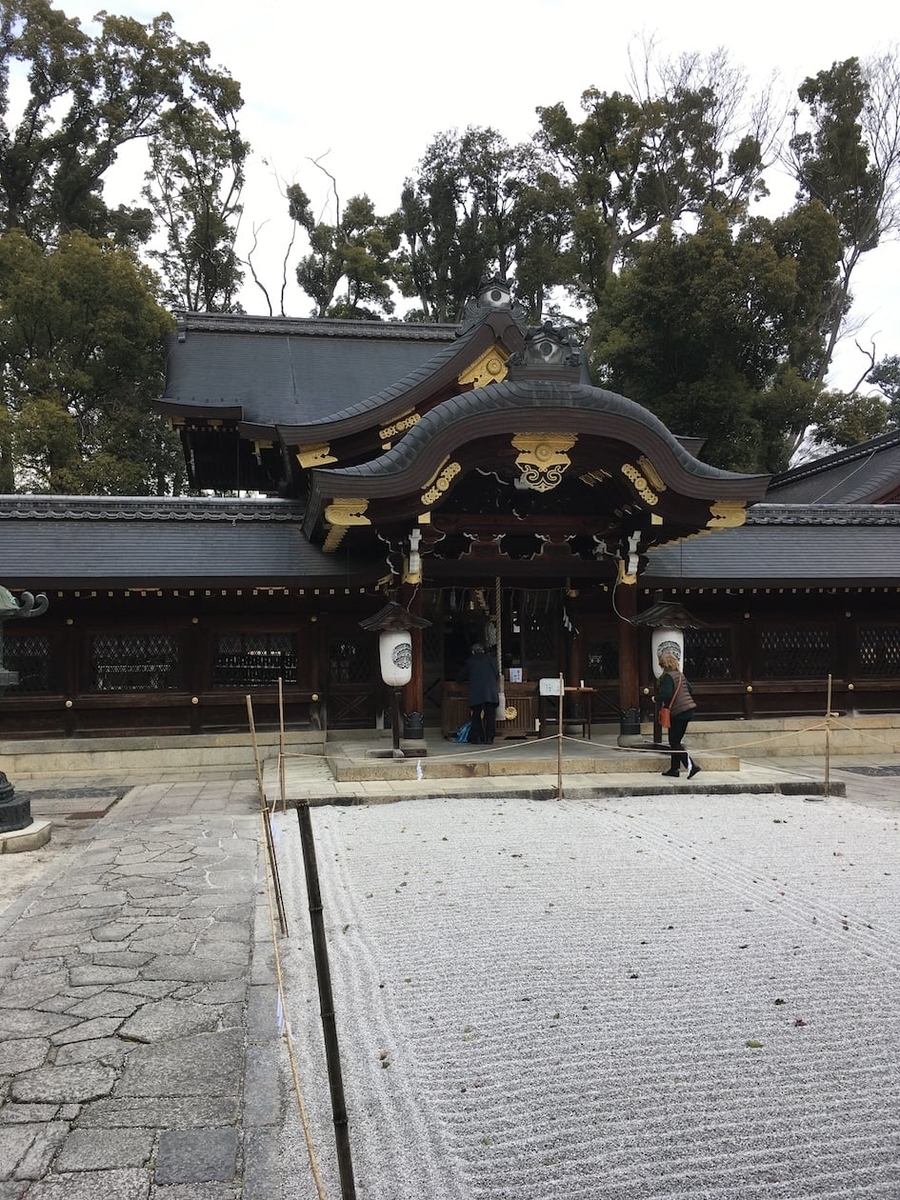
[(693, 771), (671, 774)]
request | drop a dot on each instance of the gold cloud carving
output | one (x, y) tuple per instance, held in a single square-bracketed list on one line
[(542, 459)]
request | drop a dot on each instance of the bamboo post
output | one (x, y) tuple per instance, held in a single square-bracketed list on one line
[(559, 740), (267, 826), (828, 741), (281, 741), (259, 775)]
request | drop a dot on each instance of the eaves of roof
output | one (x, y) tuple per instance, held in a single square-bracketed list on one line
[(278, 377), (524, 405)]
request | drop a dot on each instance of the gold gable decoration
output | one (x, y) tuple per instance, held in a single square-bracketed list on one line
[(397, 428), (315, 456), (656, 480), (490, 367), (593, 478), (341, 515), (727, 514), (440, 483), (542, 459), (724, 514), (640, 485)]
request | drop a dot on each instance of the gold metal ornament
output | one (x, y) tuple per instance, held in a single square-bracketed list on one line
[(341, 515), (441, 483), (640, 484), (727, 514), (542, 459), (315, 456), (490, 367)]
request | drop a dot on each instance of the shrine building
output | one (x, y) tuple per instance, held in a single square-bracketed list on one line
[(475, 475)]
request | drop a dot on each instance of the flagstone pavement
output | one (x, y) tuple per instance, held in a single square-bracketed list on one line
[(141, 1046)]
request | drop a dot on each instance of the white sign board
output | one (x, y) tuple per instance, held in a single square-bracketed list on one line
[(550, 687)]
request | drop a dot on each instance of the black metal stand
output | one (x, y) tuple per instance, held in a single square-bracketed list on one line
[(395, 725)]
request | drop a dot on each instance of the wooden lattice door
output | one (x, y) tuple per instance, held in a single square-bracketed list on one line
[(354, 686)]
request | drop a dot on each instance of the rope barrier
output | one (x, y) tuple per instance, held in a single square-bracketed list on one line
[(498, 748)]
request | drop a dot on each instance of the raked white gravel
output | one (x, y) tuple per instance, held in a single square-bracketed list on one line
[(631, 999)]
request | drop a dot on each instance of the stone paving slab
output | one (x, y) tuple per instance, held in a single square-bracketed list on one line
[(126, 977)]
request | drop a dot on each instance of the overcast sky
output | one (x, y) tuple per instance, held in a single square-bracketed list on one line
[(369, 85)]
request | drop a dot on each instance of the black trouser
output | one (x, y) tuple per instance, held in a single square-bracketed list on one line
[(484, 722), (677, 730)]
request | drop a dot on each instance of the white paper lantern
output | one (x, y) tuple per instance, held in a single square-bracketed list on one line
[(667, 639), (395, 652)]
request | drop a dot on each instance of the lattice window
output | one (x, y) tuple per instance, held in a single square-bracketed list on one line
[(786, 653), (603, 658), (134, 662), (707, 653), (254, 660), (351, 661), (29, 655), (878, 651)]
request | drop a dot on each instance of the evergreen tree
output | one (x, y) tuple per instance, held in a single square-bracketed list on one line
[(81, 342)]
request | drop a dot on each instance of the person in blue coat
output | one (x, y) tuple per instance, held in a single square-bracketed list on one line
[(480, 673)]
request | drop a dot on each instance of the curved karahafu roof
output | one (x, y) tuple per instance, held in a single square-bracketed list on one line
[(579, 462)]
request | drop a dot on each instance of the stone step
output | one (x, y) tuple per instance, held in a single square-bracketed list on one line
[(383, 770), (29, 759)]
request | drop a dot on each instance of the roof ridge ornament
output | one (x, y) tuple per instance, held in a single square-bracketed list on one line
[(494, 295), (549, 352)]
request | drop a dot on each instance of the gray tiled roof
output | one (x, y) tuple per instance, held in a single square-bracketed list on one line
[(790, 545), (292, 372), (69, 542), (862, 474)]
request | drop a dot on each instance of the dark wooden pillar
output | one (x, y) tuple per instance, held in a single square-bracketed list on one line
[(629, 665)]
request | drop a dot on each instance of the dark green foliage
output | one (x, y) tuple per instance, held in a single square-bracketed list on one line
[(90, 96), (848, 159), (841, 420), (886, 377), (633, 163), (81, 341), (81, 334), (193, 187), (355, 252), (711, 332)]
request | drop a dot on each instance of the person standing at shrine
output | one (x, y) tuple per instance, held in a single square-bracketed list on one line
[(480, 673), (674, 693)]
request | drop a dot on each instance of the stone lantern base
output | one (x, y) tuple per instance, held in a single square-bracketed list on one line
[(15, 813)]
